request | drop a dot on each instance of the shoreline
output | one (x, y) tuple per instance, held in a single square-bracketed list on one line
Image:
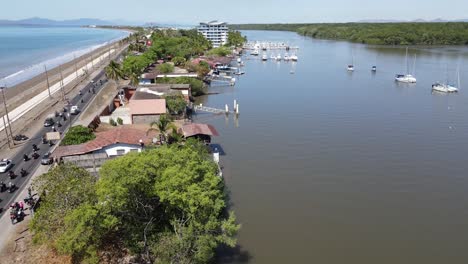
[(16, 94)]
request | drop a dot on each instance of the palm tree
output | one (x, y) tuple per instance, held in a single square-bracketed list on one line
[(163, 125), (114, 71), (134, 78)]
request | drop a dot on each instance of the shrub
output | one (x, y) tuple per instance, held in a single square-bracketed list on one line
[(77, 135), (196, 84), (221, 52), (166, 68), (176, 103), (112, 122), (119, 121), (178, 61)]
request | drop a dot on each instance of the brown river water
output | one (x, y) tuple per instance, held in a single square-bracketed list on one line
[(326, 166)]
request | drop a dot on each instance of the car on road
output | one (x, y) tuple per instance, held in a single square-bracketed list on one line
[(74, 110), (46, 159), (5, 164), (49, 121)]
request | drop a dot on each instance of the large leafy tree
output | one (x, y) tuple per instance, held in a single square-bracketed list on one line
[(66, 219), (169, 203), (166, 205)]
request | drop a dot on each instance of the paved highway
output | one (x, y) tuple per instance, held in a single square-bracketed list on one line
[(31, 165)]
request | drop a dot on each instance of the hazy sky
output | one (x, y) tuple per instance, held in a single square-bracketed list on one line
[(237, 11)]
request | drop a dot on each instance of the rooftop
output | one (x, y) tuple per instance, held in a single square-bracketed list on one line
[(121, 134), (147, 106), (213, 23), (198, 129)]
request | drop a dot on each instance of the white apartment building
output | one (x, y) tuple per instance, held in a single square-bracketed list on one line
[(214, 31)]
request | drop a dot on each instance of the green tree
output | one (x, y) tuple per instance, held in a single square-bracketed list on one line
[(178, 61), (176, 103), (174, 203), (236, 39), (77, 135), (67, 192), (114, 71), (166, 68), (162, 125)]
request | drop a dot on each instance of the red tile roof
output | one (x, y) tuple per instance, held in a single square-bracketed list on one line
[(198, 129), (126, 135)]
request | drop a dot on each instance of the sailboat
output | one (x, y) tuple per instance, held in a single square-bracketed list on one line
[(264, 57), (351, 66), (446, 87), (286, 57), (293, 57), (406, 78), (278, 58), (254, 52)]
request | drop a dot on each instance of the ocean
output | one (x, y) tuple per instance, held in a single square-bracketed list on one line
[(24, 50)]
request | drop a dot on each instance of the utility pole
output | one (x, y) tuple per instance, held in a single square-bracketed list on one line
[(6, 111), (92, 60), (47, 78), (61, 83), (76, 69), (6, 132)]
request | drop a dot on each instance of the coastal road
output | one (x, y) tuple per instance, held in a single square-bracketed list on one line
[(31, 165)]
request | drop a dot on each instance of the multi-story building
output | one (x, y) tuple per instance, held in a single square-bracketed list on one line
[(214, 31)]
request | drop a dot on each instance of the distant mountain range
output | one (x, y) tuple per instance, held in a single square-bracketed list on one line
[(37, 21), (438, 20)]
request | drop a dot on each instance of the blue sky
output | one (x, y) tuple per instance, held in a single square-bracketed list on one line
[(238, 11)]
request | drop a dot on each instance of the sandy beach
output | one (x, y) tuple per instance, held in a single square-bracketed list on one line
[(17, 94)]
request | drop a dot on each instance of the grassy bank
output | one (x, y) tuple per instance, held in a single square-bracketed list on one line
[(377, 33)]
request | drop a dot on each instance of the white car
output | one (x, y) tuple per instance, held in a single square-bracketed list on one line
[(5, 164), (74, 110)]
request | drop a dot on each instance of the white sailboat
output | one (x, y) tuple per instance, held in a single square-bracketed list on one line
[(286, 57), (406, 78), (278, 57), (254, 52), (264, 57), (294, 57), (446, 87)]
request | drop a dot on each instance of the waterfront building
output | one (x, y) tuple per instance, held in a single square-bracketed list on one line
[(216, 32)]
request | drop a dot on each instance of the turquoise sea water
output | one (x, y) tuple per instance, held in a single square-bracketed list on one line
[(24, 50)]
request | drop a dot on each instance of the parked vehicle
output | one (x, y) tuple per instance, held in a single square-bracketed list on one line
[(46, 159), (5, 164), (20, 137)]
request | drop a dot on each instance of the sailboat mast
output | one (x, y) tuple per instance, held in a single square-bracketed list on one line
[(458, 76), (406, 61), (414, 65)]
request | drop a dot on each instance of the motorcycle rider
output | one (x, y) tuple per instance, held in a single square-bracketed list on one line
[(25, 157), (23, 172)]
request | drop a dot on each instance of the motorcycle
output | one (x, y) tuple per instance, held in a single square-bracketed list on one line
[(11, 187), (3, 187), (23, 172), (16, 214), (25, 157), (44, 140), (12, 175), (35, 155), (35, 148)]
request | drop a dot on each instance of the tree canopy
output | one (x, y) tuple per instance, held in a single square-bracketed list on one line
[(165, 205), (378, 33)]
